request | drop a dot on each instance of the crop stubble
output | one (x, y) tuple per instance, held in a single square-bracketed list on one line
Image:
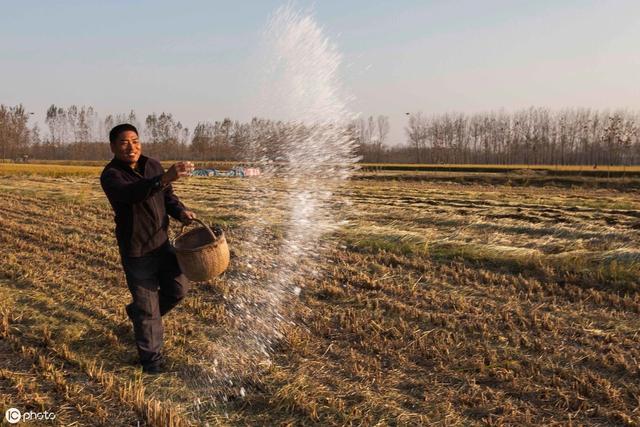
[(440, 303)]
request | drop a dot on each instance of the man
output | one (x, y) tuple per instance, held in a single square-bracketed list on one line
[(141, 196)]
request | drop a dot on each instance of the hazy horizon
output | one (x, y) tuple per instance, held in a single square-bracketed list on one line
[(197, 61)]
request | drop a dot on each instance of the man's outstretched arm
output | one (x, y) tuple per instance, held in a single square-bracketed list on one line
[(119, 190)]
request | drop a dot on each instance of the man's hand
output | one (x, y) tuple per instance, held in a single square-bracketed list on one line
[(177, 171), (187, 217)]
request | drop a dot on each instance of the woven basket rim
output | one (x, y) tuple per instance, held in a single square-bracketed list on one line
[(217, 241)]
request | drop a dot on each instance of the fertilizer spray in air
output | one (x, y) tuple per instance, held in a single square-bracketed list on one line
[(278, 252)]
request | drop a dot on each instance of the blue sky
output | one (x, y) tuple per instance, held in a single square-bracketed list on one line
[(194, 58)]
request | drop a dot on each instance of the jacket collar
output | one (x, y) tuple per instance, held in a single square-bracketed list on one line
[(142, 161)]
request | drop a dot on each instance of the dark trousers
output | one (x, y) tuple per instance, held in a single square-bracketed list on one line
[(157, 285)]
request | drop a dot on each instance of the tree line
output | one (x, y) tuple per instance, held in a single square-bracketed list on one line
[(530, 136)]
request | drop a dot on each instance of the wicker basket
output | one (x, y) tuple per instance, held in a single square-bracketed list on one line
[(202, 254)]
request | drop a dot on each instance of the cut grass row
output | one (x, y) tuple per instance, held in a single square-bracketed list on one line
[(616, 269)]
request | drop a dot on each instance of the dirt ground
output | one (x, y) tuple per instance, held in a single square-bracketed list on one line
[(444, 301)]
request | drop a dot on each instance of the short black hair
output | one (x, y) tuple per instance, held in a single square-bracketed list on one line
[(117, 130)]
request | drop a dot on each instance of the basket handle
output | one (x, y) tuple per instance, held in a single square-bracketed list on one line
[(199, 221)]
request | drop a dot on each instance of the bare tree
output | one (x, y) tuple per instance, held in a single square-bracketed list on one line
[(382, 133), (14, 132), (417, 132)]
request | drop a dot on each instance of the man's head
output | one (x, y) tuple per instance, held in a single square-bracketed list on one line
[(124, 143)]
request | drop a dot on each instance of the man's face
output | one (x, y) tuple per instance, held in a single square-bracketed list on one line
[(127, 147)]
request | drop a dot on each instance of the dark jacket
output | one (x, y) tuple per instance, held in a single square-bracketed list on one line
[(140, 205)]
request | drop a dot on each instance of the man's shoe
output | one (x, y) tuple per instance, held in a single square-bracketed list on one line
[(156, 367)]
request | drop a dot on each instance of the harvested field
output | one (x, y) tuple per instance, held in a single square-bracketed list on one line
[(443, 302)]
